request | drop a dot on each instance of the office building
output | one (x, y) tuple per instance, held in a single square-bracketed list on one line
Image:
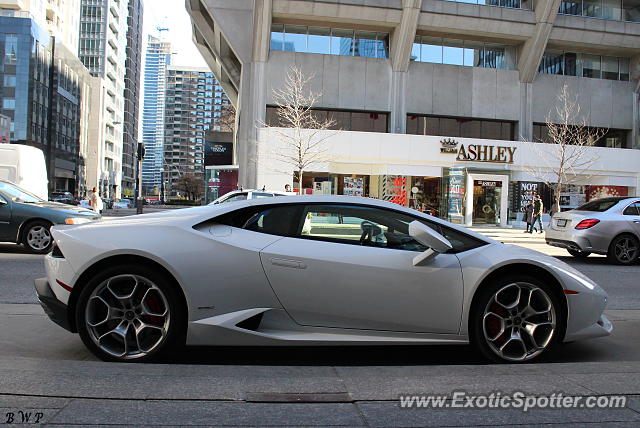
[(44, 93), (155, 80), (439, 105)]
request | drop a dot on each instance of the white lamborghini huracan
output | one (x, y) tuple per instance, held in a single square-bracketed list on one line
[(309, 270)]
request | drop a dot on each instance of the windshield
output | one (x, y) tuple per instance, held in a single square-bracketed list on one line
[(599, 205), (17, 194)]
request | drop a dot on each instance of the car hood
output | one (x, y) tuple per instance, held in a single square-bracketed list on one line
[(61, 207)]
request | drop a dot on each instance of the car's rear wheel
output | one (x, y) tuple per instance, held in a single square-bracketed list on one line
[(579, 254), (516, 319), (130, 313), (37, 237), (624, 250)]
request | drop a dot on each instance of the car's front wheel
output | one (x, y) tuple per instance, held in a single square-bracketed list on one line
[(579, 254), (516, 319), (37, 237), (130, 313), (624, 250)]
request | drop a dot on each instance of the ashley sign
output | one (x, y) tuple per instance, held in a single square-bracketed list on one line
[(482, 153)]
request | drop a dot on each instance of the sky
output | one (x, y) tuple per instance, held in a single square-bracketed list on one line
[(173, 15)]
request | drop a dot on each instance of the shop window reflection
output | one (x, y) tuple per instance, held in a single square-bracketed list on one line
[(460, 127), (329, 41)]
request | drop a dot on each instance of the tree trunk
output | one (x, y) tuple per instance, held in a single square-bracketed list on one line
[(300, 181)]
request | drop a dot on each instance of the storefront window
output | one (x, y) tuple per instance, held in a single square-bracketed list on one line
[(363, 121), (460, 127), (426, 195), (613, 138)]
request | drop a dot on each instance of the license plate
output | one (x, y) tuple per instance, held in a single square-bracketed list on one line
[(561, 223)]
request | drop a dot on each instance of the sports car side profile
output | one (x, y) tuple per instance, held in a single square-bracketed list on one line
[(309, 270)]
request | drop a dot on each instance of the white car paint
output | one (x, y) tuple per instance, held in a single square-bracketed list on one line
[(312, 292)]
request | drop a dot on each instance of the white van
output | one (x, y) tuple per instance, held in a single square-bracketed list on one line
[(25, 167)]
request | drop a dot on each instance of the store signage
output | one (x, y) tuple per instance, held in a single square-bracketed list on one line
[(483, 153), (449, 145), (477, 152), (484, 183)]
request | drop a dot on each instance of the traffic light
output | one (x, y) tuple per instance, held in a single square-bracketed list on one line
[(141, 151)]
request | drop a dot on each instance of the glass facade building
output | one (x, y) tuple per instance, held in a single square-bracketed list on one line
[(155, 75), (42, 90)]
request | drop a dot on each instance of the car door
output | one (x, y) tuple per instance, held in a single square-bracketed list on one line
[(350, 266), (632, 215), (5, 220)]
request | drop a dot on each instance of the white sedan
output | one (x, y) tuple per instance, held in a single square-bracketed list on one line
[(309, 270)]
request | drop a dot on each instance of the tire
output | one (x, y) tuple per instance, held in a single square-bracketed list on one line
[(579, 254), (117, 302), (36, 237), (491, 323), (624, 250)]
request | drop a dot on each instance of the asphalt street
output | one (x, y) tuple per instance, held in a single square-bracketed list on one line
[(47, 374)]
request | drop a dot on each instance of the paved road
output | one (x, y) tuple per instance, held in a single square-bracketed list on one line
[(48, 372)]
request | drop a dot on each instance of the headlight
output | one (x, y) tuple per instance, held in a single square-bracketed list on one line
[(76, 220)]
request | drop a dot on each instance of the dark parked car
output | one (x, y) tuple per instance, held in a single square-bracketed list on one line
[(25, 218), (63, 198)]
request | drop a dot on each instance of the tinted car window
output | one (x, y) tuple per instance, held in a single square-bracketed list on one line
[(238, 197), (599, 205), (633, 209), (371, 226), (274, 219), (258, 195)]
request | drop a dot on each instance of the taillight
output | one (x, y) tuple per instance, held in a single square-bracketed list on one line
[(586, 224)]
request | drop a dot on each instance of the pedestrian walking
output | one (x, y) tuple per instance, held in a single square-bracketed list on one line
[(95, 201), (538, 208), (528, 217)]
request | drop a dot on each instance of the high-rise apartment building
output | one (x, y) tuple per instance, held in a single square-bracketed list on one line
[(194, 101), (102, 49), (438, 105), (132, 82), (155, 79)]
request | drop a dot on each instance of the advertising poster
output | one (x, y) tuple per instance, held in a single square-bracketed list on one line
[(353, 186), (455, 192), (218, 153)]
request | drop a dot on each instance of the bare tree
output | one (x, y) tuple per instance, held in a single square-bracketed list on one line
[(191, 185), (303, 143), (569, 159), (227, 119)]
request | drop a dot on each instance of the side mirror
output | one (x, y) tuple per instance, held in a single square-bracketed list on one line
[(427, 236)]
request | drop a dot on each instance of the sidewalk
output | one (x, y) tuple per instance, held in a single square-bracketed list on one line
[(517, 236)]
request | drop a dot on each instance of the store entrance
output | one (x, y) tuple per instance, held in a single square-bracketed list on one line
[(486, 201)]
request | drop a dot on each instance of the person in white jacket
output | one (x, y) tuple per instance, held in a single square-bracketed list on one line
[(95, 200)]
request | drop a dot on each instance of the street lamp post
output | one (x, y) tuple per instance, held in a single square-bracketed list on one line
[(140, 156)]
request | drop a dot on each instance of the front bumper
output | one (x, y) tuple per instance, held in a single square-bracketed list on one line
[(603, 327), (54, 308)]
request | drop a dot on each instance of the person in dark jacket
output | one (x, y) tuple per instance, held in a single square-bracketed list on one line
[(538, 207), (528, 217)]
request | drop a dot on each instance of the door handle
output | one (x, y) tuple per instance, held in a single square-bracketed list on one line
[(295, 264), (636, 221)]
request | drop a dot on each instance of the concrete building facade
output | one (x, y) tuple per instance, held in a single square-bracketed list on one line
[(453, 74), (102, 49)]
